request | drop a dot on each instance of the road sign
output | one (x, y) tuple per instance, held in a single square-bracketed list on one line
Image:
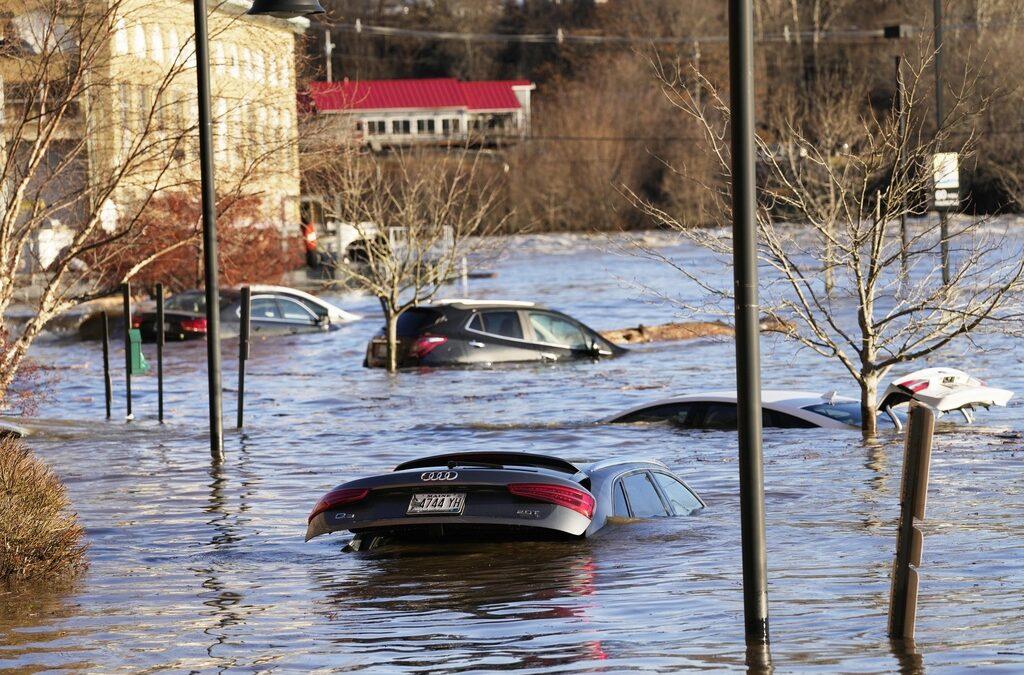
[(946, 180)]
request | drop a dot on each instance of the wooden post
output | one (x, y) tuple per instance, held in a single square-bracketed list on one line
[(126, 306), (160, 352), (917, 455), (243, 348), (107, 388)]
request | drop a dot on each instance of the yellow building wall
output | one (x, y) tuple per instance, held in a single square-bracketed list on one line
[(144, 104)]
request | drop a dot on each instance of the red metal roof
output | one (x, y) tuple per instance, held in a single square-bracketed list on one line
[(446, 93)]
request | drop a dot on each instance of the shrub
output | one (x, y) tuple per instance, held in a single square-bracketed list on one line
[(39, 535)]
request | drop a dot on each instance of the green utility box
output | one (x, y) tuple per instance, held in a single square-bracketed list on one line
[(139, 365)]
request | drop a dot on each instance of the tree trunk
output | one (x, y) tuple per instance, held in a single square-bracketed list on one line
[(391, 322), (869, 403)]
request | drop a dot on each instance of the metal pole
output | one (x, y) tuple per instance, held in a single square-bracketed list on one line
[(329, 54), (126, 309), (107, 388), (901, 130), (160, 352), (209, 231), (939, 113), (909, 541), (243, 348), (748, 360)]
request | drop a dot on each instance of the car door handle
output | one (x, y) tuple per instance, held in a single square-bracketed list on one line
[(548, 356), (474, 343)]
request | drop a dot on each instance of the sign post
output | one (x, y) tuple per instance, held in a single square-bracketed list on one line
[(945, 197)]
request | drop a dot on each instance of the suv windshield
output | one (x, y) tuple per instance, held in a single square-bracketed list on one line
[(413, 321)]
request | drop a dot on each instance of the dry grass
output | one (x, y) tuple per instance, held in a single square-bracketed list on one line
[(40, 537)]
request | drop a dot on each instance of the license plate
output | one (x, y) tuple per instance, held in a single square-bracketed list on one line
[(444, 502)]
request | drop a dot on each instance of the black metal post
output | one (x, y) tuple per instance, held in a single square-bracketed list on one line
[(160, 352), (939, 114), (126, 308), (107, 388), (243, 348), (748, 360), (901, 130), (209, 231)]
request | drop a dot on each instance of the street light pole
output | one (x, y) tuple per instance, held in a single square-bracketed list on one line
[(209, 196), (748, 359)]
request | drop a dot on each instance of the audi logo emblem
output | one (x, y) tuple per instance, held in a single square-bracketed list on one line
[(439, 475)]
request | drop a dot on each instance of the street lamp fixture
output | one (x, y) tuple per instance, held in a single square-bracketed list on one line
[(283, 9)]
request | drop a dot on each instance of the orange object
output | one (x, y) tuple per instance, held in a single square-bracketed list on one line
[(309, 236)]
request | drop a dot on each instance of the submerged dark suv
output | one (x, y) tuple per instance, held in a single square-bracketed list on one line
[(468, 332)]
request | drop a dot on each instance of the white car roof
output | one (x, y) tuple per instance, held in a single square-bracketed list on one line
[(789, 401), (336, 313), (778, 398)]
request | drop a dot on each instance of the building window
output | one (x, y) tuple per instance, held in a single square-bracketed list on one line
[(121, 37), (273, 70), (233, 60), (375, 127), (449, 126), (125, 94), (359, 125), (425, 126), (400, 127), (156, 44), (259, 65), (139, 41), (145, 103), (173, 45), (218, 61)]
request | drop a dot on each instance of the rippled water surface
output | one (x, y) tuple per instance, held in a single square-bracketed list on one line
[(201, 566)]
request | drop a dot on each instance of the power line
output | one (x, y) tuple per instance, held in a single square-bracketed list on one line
[(562, 36)]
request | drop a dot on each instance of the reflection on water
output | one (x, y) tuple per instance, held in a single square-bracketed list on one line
[(200, 566)]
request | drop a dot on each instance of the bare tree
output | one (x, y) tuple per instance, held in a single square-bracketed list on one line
[(85, 147), (418, 217), (837, 207)]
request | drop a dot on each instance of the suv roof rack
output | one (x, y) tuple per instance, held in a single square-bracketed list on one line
[(467, 302), (494, 458)]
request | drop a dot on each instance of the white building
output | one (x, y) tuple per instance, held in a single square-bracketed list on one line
[(405, 112)]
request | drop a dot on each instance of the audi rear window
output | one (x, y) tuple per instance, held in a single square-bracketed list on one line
[(414, 321)]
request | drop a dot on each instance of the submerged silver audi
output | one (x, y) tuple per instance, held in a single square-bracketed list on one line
[(487, 496)]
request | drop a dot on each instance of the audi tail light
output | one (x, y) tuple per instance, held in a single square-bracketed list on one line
[(426, 344), (577, 499), (338, 497), (136, 322), (196, 325)]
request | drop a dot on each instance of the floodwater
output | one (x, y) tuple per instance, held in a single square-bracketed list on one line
[(201, 566)]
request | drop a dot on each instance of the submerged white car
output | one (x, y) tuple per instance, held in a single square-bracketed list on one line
[(321, 307), (944, 390)]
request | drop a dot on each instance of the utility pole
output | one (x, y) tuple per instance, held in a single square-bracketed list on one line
[(748, 359), (329, 54), (943, 219)]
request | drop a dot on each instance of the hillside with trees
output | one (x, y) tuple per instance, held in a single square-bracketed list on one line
[(602, 124)]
